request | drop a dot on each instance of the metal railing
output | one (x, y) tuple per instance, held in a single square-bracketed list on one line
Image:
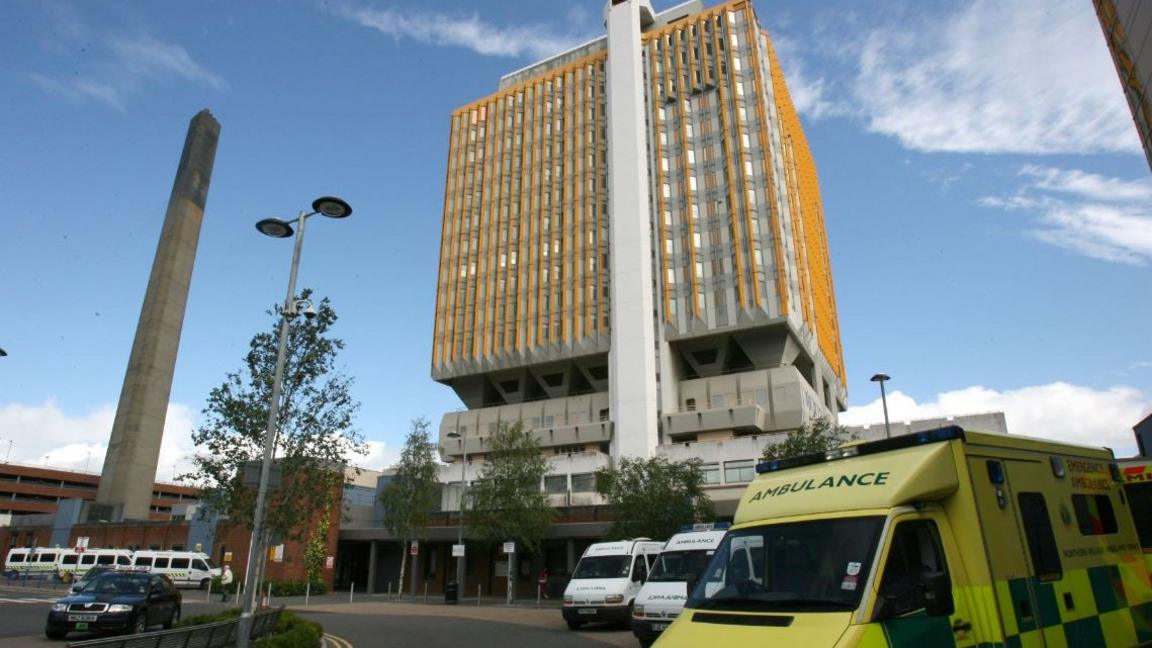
[(210, 635)]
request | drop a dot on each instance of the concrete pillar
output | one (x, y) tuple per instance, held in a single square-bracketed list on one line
[(570, 546), (632, 357), (134, 447), (372, 548)]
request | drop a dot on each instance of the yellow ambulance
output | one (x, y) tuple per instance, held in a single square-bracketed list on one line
[(941, 538)]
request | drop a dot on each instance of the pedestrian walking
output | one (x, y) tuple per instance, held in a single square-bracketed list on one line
[(225, 583), (542, 582)]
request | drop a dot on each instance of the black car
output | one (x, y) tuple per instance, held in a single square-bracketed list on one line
[(116, 601)]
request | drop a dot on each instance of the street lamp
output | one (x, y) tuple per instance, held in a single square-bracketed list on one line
[(277, 228), (456, 434), (881, 378)]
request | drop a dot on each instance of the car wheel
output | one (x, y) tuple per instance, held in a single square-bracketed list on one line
[(574, 625), (174, 619), (140, 622), (55, 634)]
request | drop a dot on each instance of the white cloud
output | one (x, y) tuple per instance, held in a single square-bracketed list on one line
[(1072, 413), (469, 32), (147, 57), (1103, 218), (44, 435), (380, 456), (811, 95), (1033, 76)]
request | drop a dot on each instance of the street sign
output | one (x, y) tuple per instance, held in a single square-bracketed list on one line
[(81, 544), (414, 550), (509, 547), (457, 551), (329, 562), (227, 556), (199, 546)]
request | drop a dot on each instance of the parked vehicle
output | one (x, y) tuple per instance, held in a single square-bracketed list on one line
[(943, 537), (606, 580), (118, 601), (44, 562), (79, 562), (662, 596), (185, 568)]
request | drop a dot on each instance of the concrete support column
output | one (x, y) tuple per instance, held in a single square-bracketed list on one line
[(372, 549), (570, 547)]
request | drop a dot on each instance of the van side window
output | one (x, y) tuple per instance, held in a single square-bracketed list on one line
[(199, 564), (16, 558), (143, 561), (69, 559), (88, 559), (105, 559), (916, 551), (1041, 540), (161, 563), (123, 560), (179, 563), (1140, 502), (1094, 514), (47, 557), (639, 569)]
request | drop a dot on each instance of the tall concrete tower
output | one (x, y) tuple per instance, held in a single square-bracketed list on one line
[(125, 490)]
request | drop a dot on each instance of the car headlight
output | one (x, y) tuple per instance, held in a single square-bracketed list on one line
[(638, 611), (614, 598), (119, 607), (59, 607)]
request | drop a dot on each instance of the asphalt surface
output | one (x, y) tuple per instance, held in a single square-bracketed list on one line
[(367, 622)]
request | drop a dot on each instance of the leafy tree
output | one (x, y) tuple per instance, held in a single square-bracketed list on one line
[(507, 504), (315, 438), (414, 491), (819, 435), (653, 497)]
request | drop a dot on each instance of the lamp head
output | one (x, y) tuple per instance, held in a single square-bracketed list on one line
[(879, 378), (274, 227), (332, 207)]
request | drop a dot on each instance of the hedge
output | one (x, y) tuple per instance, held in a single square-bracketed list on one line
[(291, 631)]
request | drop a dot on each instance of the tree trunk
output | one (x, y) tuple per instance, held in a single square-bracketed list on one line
[(403, 563)]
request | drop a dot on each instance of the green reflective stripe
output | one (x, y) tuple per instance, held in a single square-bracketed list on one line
[(919, 630), (1085, 632), (1049, 612)]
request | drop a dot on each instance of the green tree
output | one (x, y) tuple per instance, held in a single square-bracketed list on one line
[(414, 491), (819, 435), (315, 438), (653, 497), (507, 503)]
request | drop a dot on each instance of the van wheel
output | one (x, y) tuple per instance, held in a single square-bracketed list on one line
[(574, 625)]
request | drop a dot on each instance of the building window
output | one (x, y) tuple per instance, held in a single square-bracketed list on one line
[(711, 473), (556, 484), (736, 472), (584, 483)]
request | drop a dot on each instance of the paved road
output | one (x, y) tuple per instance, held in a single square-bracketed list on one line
[(367, 623)]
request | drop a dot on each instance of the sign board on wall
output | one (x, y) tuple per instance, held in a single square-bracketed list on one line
[(329, 562), (509, 547), (227, 556), (278, 553), (81, 544), (414, 550), (457, 551)]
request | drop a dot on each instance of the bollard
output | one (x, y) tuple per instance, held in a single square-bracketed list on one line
[(478, 595), (538, 589), (268, 595), (425, 592), (389, 589), (208, 598), (307, 592), (351, 591)]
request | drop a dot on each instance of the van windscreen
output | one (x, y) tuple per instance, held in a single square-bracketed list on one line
[(602, 567), (47, 557), (674, 566)]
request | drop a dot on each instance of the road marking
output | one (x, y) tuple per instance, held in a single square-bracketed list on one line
[(337, 642)]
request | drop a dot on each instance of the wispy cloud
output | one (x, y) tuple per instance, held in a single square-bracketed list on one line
[(464, 31), (117, 67), (1059, 410), (1103, 218)]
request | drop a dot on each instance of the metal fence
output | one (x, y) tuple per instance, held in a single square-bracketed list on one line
[(210, 635)]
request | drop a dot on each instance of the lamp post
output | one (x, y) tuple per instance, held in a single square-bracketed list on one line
[(456, 434), (882, 378), (277, 228)]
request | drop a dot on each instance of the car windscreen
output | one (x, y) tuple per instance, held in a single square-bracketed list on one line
[(679, 565), (815, 566), (117, 583), (603, 567)]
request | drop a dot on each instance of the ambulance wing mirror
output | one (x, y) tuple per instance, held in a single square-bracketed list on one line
[(937, 594), (690, 584)]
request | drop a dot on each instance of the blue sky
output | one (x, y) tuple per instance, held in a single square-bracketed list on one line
[(986, 200)]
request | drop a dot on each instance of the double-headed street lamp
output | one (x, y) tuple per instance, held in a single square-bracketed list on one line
[(882, 378), (456, 434), (277, 228)]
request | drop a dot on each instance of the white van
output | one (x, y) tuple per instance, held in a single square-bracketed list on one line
[(42, 561), (606, 581), (185, 568), (662, 597)]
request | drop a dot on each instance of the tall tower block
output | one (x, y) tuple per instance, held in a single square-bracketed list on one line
[(134, 448)]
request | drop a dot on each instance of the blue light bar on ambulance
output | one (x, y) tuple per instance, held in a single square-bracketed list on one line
[(705, 526), (903, 441)]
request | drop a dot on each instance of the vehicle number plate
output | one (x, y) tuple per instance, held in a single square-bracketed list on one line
[(586, 611), (81, 617), (659, 627), (81, 626)]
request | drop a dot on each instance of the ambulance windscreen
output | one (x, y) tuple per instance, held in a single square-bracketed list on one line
[(816, 566)]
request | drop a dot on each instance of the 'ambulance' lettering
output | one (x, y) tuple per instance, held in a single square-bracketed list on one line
[(832, 481)]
